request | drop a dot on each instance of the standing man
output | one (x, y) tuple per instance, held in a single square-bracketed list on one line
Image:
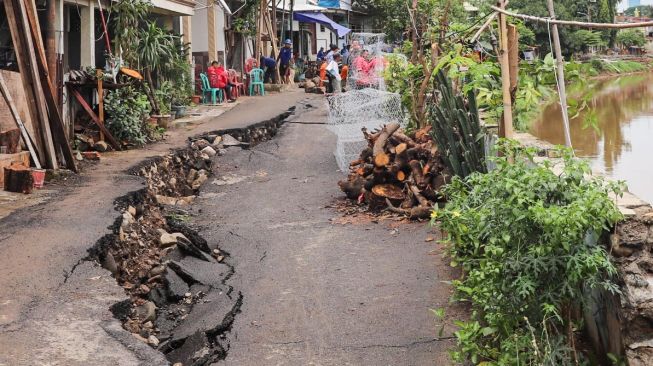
[(334, 73), (285, 55), (329, 56), (270, 65)]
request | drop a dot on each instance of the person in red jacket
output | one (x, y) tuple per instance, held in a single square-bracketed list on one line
[(218, 78)]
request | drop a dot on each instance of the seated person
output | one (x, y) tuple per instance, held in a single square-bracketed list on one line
[(218, 78)]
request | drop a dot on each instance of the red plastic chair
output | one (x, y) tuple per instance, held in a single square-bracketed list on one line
[(239, 87)]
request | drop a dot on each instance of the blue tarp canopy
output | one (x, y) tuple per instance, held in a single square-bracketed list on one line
[(315, 17)]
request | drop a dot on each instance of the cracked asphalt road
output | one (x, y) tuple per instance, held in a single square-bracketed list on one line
[(54, 309), (317, 292)]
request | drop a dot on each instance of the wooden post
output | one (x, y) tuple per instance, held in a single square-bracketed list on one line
[(51, 41), (513, 57), (560, 64), (100, 99), (505, 128)]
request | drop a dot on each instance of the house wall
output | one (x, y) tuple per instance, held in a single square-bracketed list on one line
[(208, 32)]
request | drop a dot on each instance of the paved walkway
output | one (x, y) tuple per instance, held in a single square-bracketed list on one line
[(50, 316), (315, 291)]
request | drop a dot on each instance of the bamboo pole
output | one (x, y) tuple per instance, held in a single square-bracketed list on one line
[(506, 128), (573, 23), (560, 64), (485, 25)]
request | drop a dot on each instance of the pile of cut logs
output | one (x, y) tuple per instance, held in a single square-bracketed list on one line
[(399, 172)]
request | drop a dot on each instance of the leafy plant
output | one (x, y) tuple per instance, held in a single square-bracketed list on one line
[(163, 96), (527, 239), (126, 110), (126, 19)]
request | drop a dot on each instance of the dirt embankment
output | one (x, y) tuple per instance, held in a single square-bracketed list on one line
[(180, 299)]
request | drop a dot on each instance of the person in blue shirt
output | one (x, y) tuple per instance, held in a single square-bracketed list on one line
[(270, 65), (320, 54), (285, 55)]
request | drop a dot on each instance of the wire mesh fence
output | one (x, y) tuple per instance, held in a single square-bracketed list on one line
[(366, 61), (351, 111)]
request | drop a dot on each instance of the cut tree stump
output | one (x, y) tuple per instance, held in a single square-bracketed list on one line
[(18, 178)]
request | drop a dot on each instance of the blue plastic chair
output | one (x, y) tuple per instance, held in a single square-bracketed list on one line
[(256, 80), (216, 93)]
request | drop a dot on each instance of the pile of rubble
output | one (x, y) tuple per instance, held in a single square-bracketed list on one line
[(400, 172), (179, 301)]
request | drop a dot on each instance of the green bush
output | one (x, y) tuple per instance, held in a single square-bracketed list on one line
[(527, 241), (631, 37), (127, 109)]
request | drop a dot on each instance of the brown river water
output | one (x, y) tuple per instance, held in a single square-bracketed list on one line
[(622, 148)]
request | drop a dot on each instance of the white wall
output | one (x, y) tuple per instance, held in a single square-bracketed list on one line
[(200, 29), (199, 36)]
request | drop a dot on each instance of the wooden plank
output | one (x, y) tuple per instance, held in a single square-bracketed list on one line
[(95, 119), (56, 121), (12, 107), (21, 58), (22, 25)]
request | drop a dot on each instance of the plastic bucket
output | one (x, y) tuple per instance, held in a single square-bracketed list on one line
[(39, 177)]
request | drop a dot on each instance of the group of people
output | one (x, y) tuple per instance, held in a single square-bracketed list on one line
[(285, 61), (336, 66), (223, 79)]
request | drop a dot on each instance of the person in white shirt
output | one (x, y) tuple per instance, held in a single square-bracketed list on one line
[(334, 72), (333, 50)]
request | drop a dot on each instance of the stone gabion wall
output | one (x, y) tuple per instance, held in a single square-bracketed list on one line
[(632, 247)]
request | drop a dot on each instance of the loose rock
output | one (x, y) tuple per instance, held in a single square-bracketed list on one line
[(153, 340), (167, 240), (127, 219), (209, 151), (199, 144), (146, 312)]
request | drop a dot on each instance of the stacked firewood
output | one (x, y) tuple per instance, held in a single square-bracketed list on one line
[(397, 171)]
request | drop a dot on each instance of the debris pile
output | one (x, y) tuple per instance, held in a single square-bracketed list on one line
[(179, 302), (397, 171)]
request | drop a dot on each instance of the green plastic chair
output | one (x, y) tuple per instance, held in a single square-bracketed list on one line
[(256, 80), (216, 93)]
